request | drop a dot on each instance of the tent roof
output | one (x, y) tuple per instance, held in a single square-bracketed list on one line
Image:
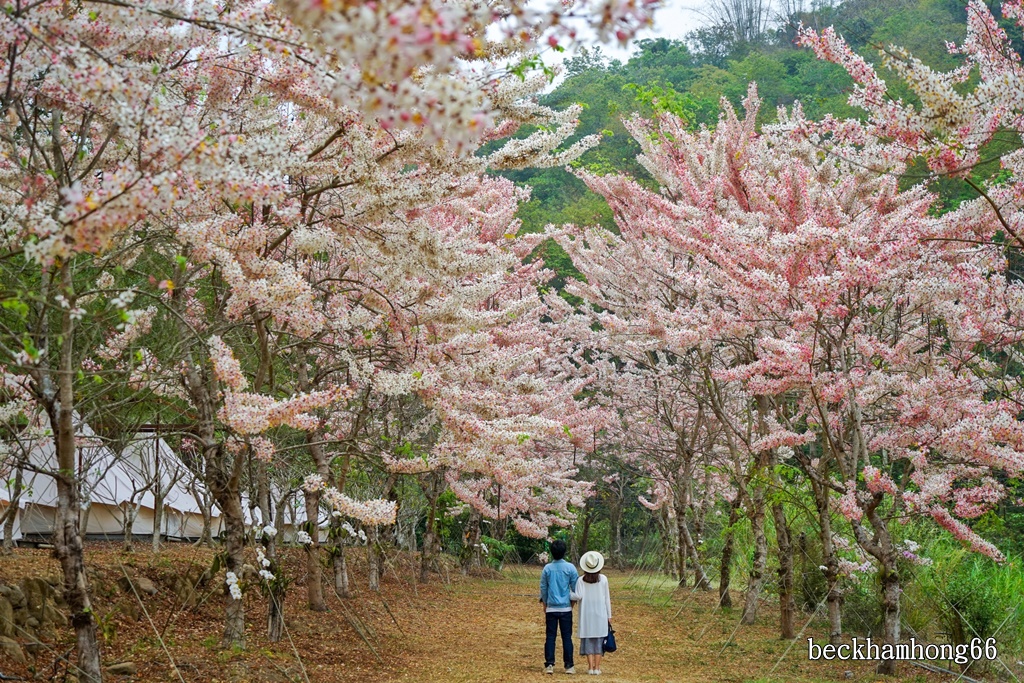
[(107, 478)]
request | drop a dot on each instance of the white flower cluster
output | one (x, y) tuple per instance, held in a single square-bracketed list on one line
[(367, 511), (312, 482), (124, 299), (261, 557), (359, 535), (105, 280), (233, 587), (77, 313), (262, 449), (303, 538), (137, 323)]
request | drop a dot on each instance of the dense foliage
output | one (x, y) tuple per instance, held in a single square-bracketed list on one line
[(295, 240), (688, 78)]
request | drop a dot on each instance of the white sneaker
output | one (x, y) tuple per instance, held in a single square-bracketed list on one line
[(590, 671), (571, 671), (597, 672), (549, 669)]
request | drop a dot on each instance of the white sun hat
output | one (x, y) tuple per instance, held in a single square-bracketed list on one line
[(592, 562)]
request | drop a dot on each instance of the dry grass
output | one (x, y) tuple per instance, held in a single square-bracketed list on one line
[(479, 629)]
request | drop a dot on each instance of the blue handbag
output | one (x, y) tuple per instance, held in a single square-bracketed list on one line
[(609, 641)]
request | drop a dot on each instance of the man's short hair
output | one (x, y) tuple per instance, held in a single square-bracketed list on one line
[(558, 549)]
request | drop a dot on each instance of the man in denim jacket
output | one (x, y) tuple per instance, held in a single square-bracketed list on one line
[(556, 584)]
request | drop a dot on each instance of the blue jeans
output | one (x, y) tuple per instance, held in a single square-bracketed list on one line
[(554, 621)]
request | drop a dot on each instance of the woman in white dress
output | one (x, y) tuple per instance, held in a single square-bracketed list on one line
[(595, 609)]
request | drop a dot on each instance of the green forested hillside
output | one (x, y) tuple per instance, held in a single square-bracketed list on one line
[(689, 77)]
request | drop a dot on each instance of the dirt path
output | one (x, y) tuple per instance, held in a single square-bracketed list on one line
[(490, 631), (468, 630)]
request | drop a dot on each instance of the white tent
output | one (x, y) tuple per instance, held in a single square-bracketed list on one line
[(108, 483), (293, 515), (143, 459)]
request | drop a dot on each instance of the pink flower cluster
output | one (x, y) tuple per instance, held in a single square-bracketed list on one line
[(369, 512)]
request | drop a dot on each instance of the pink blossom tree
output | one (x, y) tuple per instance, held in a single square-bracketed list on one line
[(222, 151), (839, 306)]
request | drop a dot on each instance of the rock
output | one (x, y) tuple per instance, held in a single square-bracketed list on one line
[(15, 595), (6, 618), (123, 669), (130, 609), (32, 622), (141, 584), (183, 591), (36, 591), (11, 651), (249, 573), (52, 615)]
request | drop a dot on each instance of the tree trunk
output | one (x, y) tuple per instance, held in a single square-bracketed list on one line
[(382, 538), (206, 535), (725, 570), (831, 564), (223, 473), (223, 478), (275, 590), (700, 508), (275, 602), (689, 546), (669, 541), (314, 572), (890, 613), (341, 580), (431, 543), (588, 516), (682, 550), (757, 568), (230, 503), (373, 558), (787, 603), (615, 521), (67, 538), (129, 525), (880, 546), (158, 500), (205, 509), (471, 546), (12, 511)]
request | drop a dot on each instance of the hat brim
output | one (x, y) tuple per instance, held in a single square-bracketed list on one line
[(591, 569)]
